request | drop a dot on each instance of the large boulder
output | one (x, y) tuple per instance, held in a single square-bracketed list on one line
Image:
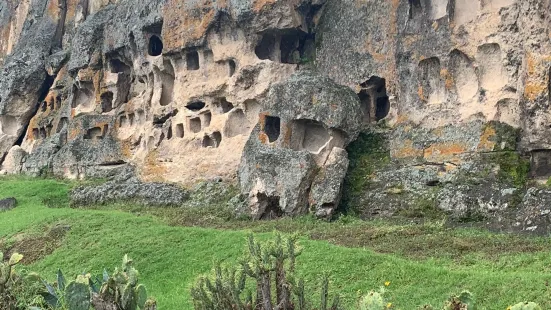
[(7, 204), (294, 161)]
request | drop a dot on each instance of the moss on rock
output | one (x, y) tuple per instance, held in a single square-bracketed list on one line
[(367, 154)]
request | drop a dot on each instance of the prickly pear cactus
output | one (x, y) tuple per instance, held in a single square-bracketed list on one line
[(465, 301), (372, 301), (123, 289), (6, 269), (77, 294), (526, 306)]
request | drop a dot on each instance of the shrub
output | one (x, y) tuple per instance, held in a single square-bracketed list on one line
[(120, 291), (267, 265)]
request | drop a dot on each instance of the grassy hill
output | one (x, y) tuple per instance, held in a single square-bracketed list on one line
[(359, 256)]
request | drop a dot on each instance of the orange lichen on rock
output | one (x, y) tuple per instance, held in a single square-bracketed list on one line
[(486, 144), (420, 93), (448, 78), (447, 151), (258, 5), (126, 149), (153, 170), (407, 150), (537, 78), (185, 23), (263, 137)]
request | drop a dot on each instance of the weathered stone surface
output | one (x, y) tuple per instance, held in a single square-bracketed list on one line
[(14, 160), (535, 211), (325, 194), (7, 204), (126, 187), (305, 123), (187, 90)]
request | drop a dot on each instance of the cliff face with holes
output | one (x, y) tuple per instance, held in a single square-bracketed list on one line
[(449, 99)]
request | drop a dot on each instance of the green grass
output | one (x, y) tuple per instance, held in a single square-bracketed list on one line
[(171, 257)]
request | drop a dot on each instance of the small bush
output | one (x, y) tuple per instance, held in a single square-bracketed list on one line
[(267, 266)]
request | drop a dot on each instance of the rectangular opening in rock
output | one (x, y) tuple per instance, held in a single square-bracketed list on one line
[(540, 166), (63, 122), (309, 135), (272, 127), (266, 47), (106, 102), (195, 124), (93, 133), (180, 130), (205, 119), (192, 60), (36, 134)]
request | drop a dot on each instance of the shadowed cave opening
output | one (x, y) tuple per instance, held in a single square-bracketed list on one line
[(106, 102), (269, 206), (291, 46), (266, 48), (374, 101), (213, 140), (540, 163), (192, 60), (155, 46), (195, 106), (117, 66), (415, 8), (223, 105), (232, 67), (93, 133), (272, 127)]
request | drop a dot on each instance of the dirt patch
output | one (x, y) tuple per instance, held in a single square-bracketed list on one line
[(35, 247)]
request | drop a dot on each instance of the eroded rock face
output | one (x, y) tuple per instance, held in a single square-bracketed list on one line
[(295, 160), (173, 88), (455, 92)]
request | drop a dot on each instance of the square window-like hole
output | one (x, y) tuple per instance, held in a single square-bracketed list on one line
[(195, 124), (192, 60)]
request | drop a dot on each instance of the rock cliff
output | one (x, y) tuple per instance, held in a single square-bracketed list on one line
[(416, 105)]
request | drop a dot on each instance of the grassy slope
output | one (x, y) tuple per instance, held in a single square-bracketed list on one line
[(170, 258)]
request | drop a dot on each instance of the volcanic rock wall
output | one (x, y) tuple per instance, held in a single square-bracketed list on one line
[(451, 98)]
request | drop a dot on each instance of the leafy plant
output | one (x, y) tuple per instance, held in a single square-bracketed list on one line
[(122, 289), (8, 278), (75, 295), (465, 301), (271, 267)]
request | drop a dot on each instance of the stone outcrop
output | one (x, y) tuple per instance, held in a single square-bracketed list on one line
[(450, 100), (7, 204), (295, 160)]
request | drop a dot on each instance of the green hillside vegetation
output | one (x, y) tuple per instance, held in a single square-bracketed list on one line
[(424, 263)]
